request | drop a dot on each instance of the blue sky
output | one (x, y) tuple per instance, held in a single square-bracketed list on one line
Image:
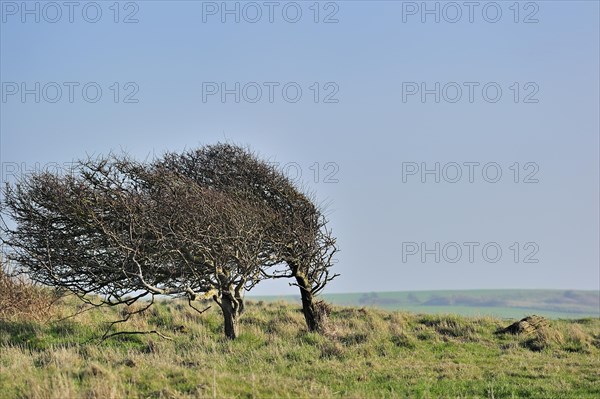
[(363, 130)]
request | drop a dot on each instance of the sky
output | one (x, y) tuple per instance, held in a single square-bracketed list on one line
[(455, 145)]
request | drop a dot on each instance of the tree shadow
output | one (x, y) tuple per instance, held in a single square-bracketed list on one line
[(18, 333), (35, 336)]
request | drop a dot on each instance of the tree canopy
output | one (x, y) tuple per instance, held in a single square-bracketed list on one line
[(214, 221)]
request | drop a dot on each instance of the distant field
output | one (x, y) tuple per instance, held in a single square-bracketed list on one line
[(557, 304)]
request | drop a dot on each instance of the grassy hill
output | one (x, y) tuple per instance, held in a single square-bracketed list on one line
[(366, 352), (498, 303)]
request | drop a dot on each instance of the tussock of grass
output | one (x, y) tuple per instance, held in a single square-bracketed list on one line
[(544, 338), (451, 326), (363, 353)]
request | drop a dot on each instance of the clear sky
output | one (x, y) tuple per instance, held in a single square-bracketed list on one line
[(367, 119)]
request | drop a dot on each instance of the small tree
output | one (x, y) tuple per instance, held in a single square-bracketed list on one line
[(308, 247), (215, 220), (223, 238), (300, 237), (94, 231), (125, 231)]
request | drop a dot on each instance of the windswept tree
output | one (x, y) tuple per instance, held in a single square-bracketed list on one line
[(299, 239), (95, 231), (308, 247), (220, 237), (210, 222), (117, 229)]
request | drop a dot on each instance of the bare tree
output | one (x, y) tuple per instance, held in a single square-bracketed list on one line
[(93, 231), (223, 236), (300, 238), (216, 221), (308, 247), (124, 232)]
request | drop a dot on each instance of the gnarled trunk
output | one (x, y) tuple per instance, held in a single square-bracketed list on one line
[(230, 307), (313, 320), (239, 297)]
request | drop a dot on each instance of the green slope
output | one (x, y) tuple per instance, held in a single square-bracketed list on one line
[(364, 353), (510, 303)]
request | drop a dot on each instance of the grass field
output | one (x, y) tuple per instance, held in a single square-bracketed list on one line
[(567, 304), (366, 352)]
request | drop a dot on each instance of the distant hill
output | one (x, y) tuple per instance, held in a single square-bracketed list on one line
[(510, 303)]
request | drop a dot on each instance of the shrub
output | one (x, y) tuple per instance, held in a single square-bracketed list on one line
[(20, 299)]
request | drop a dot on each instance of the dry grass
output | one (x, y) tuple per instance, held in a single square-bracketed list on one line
[(21, 300), (364, 353)]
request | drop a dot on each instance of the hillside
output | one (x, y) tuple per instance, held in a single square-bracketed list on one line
[(565, 304), (365, 353)]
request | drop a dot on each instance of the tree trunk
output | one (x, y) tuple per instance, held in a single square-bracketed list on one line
[(230, 309), (313, 321), (239, 297)]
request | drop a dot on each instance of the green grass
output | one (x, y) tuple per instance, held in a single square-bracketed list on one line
[(365, 353), (556, 304)]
